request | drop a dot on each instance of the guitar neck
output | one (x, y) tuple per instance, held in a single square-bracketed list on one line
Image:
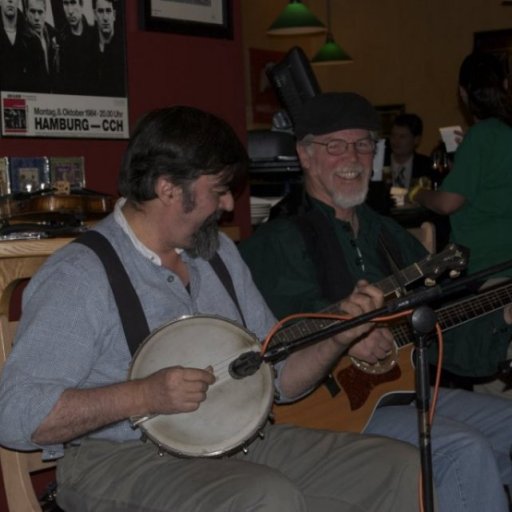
[(457, 314), (389, 286)]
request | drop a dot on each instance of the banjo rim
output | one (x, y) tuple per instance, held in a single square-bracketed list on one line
[(266, 377)]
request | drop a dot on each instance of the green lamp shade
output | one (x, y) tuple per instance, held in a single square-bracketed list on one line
[(331, 53), (296, 19)]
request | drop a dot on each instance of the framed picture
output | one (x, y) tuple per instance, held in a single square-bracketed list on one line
[(69, 169), (207, 18), (81, 90), (29, 174)]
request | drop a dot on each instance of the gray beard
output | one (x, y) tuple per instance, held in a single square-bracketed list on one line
[(349, 202), (205, 241)]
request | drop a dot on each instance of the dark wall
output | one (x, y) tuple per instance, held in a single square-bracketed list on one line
[(163, 69)]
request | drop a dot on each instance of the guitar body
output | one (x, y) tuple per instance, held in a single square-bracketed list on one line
[(347, 401)]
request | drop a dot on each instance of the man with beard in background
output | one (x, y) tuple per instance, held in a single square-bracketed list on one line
[(307, 262)]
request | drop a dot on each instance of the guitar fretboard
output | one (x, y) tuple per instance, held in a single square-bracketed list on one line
[(460, 312), (310, 326)]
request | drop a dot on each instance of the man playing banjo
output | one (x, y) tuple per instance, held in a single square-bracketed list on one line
[(69, 388)]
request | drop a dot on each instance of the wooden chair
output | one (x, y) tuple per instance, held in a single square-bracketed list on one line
[(426, 234), (19, 260)]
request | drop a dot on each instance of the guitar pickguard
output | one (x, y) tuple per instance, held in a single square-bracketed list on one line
[(361, 393)]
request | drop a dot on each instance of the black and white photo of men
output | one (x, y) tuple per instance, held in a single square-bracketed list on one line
[(72, 47)]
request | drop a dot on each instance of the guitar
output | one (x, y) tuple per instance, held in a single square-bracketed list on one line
[(355, 389)]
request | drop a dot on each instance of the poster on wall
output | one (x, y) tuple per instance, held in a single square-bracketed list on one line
[(63, 69)]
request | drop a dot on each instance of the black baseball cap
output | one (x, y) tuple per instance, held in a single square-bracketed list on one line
[(333, 111)]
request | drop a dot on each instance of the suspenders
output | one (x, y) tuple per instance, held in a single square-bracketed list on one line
[(133, 319)]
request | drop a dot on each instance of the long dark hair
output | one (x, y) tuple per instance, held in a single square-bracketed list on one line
[(484, 78), (181, 143)]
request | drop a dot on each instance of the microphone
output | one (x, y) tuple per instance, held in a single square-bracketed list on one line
[(245, 364)]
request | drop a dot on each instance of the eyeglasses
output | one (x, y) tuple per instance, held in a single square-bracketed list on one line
[(338, 147)]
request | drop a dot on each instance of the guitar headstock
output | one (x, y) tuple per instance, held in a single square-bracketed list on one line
[(452, 259)]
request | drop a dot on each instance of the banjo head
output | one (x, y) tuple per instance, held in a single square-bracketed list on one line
[(234, 410)]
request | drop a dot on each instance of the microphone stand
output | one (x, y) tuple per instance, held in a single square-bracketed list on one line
[(423, 321)]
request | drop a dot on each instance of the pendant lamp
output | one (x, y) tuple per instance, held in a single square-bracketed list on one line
[(331, 52), (296, 19)]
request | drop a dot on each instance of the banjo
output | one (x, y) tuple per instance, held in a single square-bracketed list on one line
[(236, 409)]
